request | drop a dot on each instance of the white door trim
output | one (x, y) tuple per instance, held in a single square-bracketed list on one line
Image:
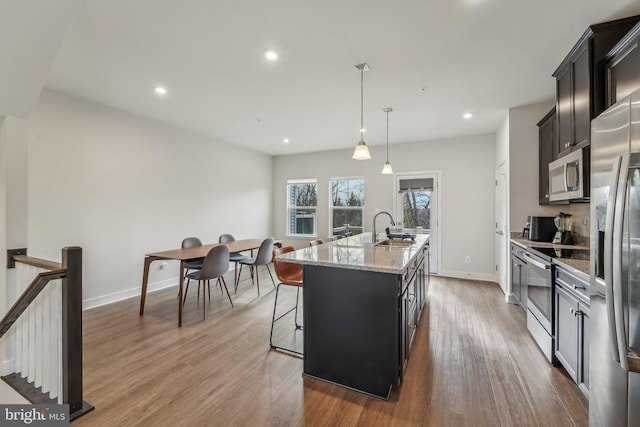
[(436, 238)]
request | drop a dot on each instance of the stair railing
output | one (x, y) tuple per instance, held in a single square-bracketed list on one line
[(47, 337)]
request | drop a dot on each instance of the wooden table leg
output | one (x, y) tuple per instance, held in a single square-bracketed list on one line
[(145, 281), (181, 283)]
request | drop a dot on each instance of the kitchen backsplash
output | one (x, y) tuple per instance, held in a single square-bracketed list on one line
[(580, 224)]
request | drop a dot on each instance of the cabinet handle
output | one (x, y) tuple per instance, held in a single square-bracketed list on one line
[(575, 313), (576, 287)]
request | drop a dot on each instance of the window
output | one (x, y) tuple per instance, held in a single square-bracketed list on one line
[(302, 201), (415, 199), (346, 205)]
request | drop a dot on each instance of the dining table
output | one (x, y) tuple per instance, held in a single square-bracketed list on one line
[(188, 254)]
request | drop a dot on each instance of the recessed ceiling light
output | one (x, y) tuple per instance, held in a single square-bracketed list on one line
[(467, 115), (286, 140), (363, 130), (271, 55), (159, 90)]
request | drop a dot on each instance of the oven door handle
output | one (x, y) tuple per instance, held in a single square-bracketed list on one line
[(537, 263)]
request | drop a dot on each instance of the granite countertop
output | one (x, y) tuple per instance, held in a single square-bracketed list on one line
[(358, 253), (580, 266)]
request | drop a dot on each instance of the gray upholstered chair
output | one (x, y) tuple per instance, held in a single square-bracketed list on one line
[(263, 257), (234, 257), (215, 264), (193, 264)]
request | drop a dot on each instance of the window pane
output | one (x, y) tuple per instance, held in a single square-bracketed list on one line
[(303, 195), (347, 192), (345, 220), (302, 221), (416, 207)]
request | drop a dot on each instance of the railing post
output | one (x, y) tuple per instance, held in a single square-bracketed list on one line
[(72, 330)]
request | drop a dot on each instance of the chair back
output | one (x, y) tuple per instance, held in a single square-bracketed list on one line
[(216, 263), (225, 238), (191, 242), (285, 271), (316, 242), (264, 256)]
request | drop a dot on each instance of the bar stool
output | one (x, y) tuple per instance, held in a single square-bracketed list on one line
[(289, 274)]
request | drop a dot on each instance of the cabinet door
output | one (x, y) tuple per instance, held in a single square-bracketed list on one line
[(580, 98), (546, 139), (583, 374), (623, 76), (564, 112), (566, 344), (516, 274)]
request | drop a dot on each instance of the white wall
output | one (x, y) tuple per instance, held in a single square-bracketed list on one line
[(466, 193), (13, 196), (523, 166), (121, 186)]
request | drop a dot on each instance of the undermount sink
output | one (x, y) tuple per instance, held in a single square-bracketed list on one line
[(395, 243)]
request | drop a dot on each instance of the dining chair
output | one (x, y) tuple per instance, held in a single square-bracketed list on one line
[(215, 264), (316, 242), (234, 257), (194, 264), (263, 257), (288, 274)]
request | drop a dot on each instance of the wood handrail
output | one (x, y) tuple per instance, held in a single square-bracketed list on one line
[(27, 297), (38, 262)]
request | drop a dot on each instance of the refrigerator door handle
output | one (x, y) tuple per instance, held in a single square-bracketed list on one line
[(608, 257), (618, 229)]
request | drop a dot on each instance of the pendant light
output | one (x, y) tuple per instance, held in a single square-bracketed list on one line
[(387, 169), (362, 151)]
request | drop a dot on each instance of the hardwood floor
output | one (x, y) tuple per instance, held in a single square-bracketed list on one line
[(473, 364)]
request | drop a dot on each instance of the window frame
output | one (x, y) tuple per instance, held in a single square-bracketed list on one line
[(288, 232), (330, 199)]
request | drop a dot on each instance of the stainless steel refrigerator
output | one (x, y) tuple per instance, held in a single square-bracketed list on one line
[(614, 388)]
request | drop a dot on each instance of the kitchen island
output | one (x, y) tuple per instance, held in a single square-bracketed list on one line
[(362, 303)]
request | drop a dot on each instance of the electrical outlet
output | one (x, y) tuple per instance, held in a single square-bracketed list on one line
[(467, 259)]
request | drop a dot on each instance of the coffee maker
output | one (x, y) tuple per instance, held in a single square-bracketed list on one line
[(563, 224)]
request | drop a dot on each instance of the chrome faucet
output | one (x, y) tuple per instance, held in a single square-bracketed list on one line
[(375, 235)]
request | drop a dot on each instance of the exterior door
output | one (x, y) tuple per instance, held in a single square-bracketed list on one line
[(417, 207)]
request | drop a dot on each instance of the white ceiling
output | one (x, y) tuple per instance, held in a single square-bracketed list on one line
[(478, 56)]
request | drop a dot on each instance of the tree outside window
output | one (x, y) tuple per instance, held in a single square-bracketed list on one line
[(302, 202), (416, 209), (346, 205)]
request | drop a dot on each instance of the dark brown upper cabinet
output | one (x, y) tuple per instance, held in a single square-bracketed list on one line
[(580, 83), (547, 145), (622, 67)]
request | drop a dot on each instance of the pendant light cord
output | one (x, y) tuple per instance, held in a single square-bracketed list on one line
[(387, 137), (361, 104)]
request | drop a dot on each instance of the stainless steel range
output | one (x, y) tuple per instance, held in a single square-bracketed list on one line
[(540, 301)]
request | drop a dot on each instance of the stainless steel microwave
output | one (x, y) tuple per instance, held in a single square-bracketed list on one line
[(566, 177)]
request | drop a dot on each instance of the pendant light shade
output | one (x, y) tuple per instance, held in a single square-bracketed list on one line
[(362, 151), (387, 169)]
